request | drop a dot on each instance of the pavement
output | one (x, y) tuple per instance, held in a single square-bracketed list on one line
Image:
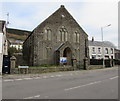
[(16, 76), (90, 84)]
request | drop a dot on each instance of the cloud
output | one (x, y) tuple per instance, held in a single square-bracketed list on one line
[(96, 15), (90, 15)]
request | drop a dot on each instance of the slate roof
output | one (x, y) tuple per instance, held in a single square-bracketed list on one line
[(55, 18), (99, 43)]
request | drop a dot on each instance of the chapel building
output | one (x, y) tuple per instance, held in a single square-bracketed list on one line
[(58, 36)]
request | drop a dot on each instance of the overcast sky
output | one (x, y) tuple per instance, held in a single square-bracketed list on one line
[(90, 15)]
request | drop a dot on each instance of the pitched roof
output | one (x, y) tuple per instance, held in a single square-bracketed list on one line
[(57, 17), (99, 43)]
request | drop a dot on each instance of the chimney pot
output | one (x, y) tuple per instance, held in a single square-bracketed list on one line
[(92, 39), (62, 6)]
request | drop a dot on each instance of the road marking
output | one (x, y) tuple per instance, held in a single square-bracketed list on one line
[(28, 97), (37, 78), (52, 76), (114, 77), (8, 80), (37, 96), (31, 97), (59, 75), (27, 78), (45, 77), (18, 79), (82, 85)]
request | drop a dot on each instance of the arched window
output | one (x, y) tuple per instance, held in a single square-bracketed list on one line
[(59, 36), (63, 34), (111, 51), (78, 52), (76, 37), (106, 50), (48, 34), (45, 53)]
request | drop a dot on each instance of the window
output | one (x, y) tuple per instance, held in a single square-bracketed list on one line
[(45, 53), (106, 57), (93, 50), (99, 56), (111, 51), (59, 36), (76, 37), (99, 50), (106, 50), (62, 15), (63, 34), (93, 56), (78, 53), (48, 33)]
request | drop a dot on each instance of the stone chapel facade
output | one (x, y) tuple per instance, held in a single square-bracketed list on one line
[(58, 36)]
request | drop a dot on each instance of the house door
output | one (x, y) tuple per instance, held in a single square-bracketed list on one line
[(6, 64)]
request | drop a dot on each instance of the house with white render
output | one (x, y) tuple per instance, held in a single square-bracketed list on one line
[(3, 43), (99, 50)]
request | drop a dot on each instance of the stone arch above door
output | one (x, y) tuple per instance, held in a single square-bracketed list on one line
[(68, 54), (65, 50)]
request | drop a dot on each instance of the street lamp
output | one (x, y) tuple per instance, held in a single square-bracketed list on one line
[(102, 43)]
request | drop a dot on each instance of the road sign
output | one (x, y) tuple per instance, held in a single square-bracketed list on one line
[(63, 60), (23, 66)]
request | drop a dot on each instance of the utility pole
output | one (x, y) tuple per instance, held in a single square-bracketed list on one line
[(103, 43)]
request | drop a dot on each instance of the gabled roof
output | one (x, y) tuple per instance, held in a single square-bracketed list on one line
[(104, 44), (62, 14)]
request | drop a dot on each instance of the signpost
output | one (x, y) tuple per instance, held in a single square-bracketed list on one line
[(21, 68)]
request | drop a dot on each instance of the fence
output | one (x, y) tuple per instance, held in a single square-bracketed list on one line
[(108, 62), (117, 62)]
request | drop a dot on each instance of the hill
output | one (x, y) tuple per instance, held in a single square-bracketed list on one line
[(17, 34)]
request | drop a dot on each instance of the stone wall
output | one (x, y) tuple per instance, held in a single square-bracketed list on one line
[(40, 70)]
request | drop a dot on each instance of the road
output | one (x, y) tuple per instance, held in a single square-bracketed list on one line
[(91, 84)]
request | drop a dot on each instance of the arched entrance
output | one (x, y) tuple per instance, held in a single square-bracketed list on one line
[(68, 54)]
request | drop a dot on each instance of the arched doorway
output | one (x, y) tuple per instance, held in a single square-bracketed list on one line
[(68, 54)]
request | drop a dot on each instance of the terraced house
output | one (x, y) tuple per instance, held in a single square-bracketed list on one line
[(99, 50), (58, 36)]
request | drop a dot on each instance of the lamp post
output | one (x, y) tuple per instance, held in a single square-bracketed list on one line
[(103, 44)]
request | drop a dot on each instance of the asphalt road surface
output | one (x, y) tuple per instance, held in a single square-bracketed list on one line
[(90, 84)]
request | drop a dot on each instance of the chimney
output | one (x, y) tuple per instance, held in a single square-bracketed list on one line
[(62, 6), (92, 39)]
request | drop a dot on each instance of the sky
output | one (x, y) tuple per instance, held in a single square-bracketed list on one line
[(91, 15)]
